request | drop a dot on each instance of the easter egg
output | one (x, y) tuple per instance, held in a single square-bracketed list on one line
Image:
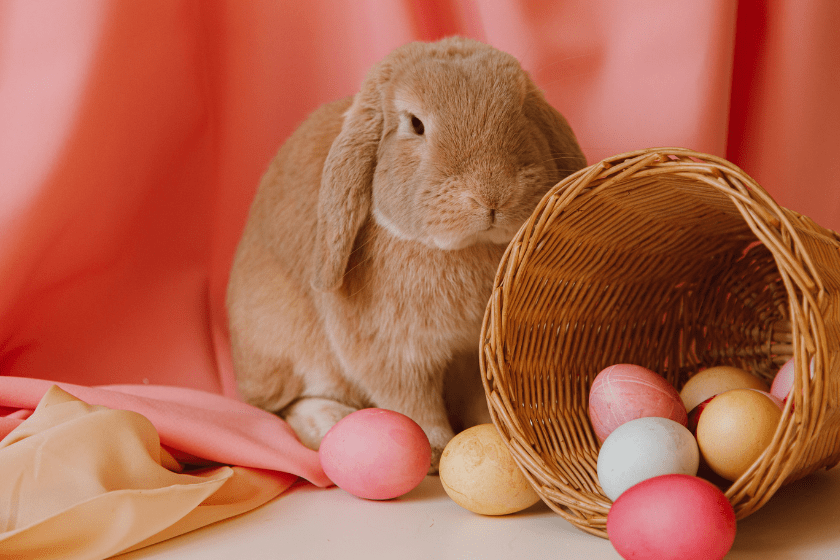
[(624, 392), (478, 472), (715, 380), (376, 454), (694, 416), (642, 449), (783, 381), (735, 428), (776, 400), (672, 516), (694, 413)]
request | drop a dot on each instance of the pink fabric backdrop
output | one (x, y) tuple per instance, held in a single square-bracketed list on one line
[(133, 135)]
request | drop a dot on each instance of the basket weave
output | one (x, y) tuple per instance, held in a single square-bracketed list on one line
[(676, 261)]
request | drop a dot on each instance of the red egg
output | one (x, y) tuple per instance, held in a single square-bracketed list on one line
[(625, 392), (376, 454), (672, 516), (694, 416)]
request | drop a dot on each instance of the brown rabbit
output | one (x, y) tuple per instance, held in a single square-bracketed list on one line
[(370, 250)]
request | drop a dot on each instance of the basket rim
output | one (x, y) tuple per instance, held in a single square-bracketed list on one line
[(799, 425)]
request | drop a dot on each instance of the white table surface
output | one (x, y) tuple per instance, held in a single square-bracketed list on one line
[(801, 521)]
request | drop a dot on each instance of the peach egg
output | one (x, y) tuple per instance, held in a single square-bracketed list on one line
[(715, 380), (734, 430), (694, 413)]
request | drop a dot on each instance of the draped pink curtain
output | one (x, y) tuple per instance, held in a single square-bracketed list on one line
[(133, 135)]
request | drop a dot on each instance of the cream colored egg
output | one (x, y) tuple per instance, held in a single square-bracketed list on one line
[(716, 380), (479, 473)]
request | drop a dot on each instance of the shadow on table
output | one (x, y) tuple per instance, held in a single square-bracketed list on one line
[(432, 489), (802, 516)]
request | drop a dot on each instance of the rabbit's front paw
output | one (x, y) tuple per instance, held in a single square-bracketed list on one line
[(311, 418)]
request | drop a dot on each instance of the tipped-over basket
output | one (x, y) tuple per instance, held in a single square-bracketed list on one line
[(676, 261)]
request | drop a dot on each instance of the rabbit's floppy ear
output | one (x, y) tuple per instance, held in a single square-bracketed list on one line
[(344, 199), (561, 140)]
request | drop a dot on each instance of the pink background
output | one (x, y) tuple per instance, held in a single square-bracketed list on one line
[(133, 135)]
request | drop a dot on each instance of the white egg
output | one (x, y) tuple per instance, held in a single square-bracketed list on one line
[(642, 449)]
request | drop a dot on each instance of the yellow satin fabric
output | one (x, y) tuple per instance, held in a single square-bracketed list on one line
[(87, 482)]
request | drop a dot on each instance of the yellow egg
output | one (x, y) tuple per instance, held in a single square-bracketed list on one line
[(734, 429), (715, 380), (479, 473)]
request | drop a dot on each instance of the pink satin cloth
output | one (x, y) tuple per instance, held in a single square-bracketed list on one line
[(133, 136), (196, 426)]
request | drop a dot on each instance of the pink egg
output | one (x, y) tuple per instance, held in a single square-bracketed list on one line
[(672, 516), (376, 454), (776, 400), (625, 392), (783, 382)]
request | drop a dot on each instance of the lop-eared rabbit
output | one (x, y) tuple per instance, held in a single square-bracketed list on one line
[(370, 250)]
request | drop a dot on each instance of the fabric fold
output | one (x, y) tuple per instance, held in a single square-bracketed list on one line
[(86, 481), (211, 427)]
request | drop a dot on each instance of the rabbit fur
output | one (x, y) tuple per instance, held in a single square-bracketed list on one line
[(371, 246)]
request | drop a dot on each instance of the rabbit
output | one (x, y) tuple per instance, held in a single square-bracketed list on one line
[(372, 243)]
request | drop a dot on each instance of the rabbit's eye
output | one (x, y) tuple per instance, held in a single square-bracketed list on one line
[(417, 125)]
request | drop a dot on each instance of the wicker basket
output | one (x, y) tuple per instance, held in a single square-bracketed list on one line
[(675, 261)]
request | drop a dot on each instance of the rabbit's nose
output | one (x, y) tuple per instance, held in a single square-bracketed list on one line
[(491, 202), (489, 207)]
